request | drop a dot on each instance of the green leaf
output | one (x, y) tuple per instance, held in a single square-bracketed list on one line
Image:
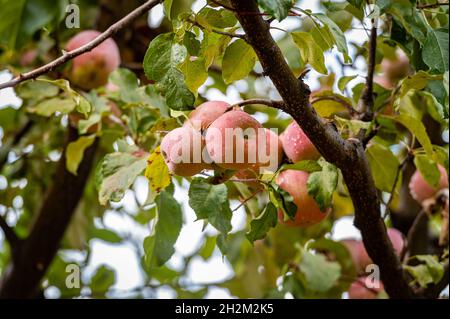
[(220, 18), (159, 246), (305, 165), (191, 43), (417, 82), (356, 3), (338, 35), (320, 274), (208, 248), (282, 200), (10, 21), (102, 280), (85, 125), (105, 235), (211, 202), (238, 61), (384, 165), (127, 83), (160, 65), (51, 106), (428, 272), (428, 169), (310, 52), (36, 90), (195, 74), (75, 152), (277, 8), (322, 184), (261, 225), (435, 50), (213, 45), (117, 172), (343, 81), (416, 128)]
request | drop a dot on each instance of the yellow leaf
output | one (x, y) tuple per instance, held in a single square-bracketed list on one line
[(342, 205), (157, 171)]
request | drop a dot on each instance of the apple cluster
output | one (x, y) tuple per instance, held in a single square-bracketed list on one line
[(217, 136)]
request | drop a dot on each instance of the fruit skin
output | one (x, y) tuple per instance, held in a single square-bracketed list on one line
[(358, 289), (206, 113), (397, 69), (359, 254), (421, 190), (297, 145), (222, 149), (308, 212), (384, 82), (91, 69), (172, 150)]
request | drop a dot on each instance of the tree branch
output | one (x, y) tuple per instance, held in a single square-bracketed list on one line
[(366, 102), (349, 156), (67, 56), (22, 277), (9, 233), (432, 5), (275, 104)]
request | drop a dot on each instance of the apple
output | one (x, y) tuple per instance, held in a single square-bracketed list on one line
[(359, 254), (92, 69), (232, 140), (297, 145), (182, 149), (360, 289), (206, 113), (308, 212), (421, 190)]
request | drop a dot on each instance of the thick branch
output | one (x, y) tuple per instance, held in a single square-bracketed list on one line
[(9, 233), (67, 56), (349, 156), (22, 277)]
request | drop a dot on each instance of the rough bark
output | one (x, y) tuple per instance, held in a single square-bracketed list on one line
[(348, 155)]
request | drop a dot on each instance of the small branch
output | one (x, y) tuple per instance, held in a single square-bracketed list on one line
[(15, 140), (432, 5), (246, 200), (337, 99), (218, 69), (9, 233), (397, 176), (366, 101), (229, 34), (67, 56), (271, 103)]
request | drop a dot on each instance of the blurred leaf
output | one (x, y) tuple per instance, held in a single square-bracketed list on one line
[(75, 152), (221, 18), (262, 224), (428, 169), (343, 81), (238, 61), (159, 246), (384, 166), (191, 43), (305, 165), (105, 235), (103, 279), (320, 274), (311, 53), (211, 202), (53, 105), (277, 8), (417, 81), (322, 184), (338, 35), (157, 171), (208, 248), (428, 272)]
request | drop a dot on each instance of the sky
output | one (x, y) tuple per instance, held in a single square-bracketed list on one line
[(123, 258)]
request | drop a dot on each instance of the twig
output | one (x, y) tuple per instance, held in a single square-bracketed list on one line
[(218, 69), (67, 56), (229, 34), (397, 176), (432, 5), (271, 103), (337, 99), (246, 200)]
